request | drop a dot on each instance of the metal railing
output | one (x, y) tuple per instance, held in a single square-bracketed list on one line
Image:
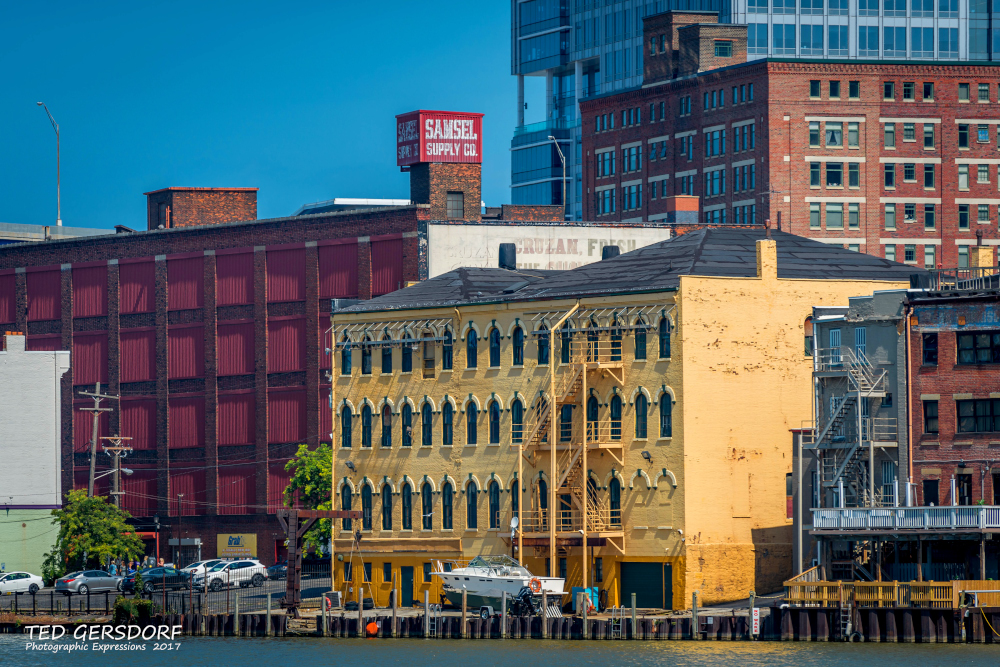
[(928, 594), (600, 519), (967, 279), (976, 517), (604, 351)]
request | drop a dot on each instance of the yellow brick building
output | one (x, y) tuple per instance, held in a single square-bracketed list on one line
[(668, 379)]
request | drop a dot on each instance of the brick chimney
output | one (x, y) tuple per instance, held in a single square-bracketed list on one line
[(453, 190), (662, 41), (705, 47), (192, 207)]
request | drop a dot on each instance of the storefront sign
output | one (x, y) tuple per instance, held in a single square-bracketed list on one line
[(242, 545)]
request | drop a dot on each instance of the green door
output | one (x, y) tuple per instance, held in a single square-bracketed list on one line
[(651, 583), (406, 586)]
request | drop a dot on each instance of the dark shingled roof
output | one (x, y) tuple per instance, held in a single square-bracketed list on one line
[(717, 251)]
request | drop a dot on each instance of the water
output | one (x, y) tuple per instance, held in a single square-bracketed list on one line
[(222, 652)]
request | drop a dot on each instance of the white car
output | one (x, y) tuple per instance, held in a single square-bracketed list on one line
[(202, 566), (20, 582), (240, 573)]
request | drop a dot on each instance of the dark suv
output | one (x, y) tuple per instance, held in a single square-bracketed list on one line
[(158, 578)]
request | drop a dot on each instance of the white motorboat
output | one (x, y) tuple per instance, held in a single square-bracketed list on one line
[(486, 578)]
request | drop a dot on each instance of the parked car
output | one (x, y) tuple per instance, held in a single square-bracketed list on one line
[(158, 578), (20, 582), (202, 566), (277, 571), (240, 573), (88, 581)]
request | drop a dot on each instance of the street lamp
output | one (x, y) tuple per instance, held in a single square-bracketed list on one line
[(562, 158), (55, 126)]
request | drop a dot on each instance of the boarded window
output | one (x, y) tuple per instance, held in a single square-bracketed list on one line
[(286, 345), (338, 271), (234, 279), (140, 491), (236, 419), (277, 482), (138, 421), (187, 422), (236, 489), (137, 287), (236, 348), (185, 283), (44, 343), (191, 483), (90, 291), (43, 295), (8, 298), (286, 275), (90, 358), (82, 425), (387, 266), (286, 416), (138, 355), (186, 352)]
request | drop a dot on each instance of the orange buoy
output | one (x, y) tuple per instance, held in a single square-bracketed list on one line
[(372, 629), (535, 584)]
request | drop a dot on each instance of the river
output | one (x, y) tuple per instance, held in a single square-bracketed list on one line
[(277, 652)]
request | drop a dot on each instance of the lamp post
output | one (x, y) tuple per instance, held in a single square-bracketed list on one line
[(55, 126), (562, 158)]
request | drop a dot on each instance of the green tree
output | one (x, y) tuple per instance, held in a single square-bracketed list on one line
[(91, 531), (312, 486)]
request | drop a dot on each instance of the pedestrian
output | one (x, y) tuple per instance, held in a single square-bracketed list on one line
[(160, 562), (114, 569)]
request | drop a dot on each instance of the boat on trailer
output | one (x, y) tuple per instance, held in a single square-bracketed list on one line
[(486, 578)]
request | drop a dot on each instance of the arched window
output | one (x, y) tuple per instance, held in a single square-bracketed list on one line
[(494, 423), (345, 427), (516, 421), (426, 426), (471, 424), (406, 502), (543, 346), (567, 344), (515, 497), (494, 348), (471, 350), (664, 334), (666, 416), (566, 423), (808, 332), (616, 417), (366, 507), (386, 507), (616, 340), (640, 339), (615, 501), (407, 413), (386, 355), (345, 356), (446, 350), (447, 412), (641, 410), (494, 492), (518, 351), (543, 503), (426, 507), (386, 426), (366, 426), (593, 407), (407, 354), (345, 504), (366, 356), (447, 494), (472, 506)]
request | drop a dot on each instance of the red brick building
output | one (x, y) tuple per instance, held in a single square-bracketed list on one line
[(892, 159)]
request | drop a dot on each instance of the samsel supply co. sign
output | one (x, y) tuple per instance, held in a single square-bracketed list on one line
[(439, 136)]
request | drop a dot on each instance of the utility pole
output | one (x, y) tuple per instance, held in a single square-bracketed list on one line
[(96, 412), (117, 451), (180, 518)]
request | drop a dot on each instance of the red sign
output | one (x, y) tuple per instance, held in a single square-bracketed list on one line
[(439, 136)]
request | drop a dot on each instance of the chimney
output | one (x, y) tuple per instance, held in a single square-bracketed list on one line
[(767, 259), (609, 251), (508, 256)]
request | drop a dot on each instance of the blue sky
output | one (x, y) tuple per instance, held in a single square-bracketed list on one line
[(297, 99)]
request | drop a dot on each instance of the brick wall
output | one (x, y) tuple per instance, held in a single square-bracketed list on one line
[(430, 183), (662, 30), (697, 47), (186, 207), (525, 213)]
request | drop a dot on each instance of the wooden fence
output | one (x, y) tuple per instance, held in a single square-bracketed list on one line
[(927, 594)]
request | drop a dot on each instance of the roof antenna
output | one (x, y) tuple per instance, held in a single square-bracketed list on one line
[(767, 227)]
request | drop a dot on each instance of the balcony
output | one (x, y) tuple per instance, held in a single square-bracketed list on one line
[(956, 518), (974, 279), (569, 523)]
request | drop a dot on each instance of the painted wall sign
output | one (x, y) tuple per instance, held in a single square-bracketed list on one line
[(439, 136), (557, 247)]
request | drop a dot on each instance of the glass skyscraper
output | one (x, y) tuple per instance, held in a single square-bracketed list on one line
[(588, 47)]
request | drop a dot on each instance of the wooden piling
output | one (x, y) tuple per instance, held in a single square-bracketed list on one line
[(909, 634), (874, 633), (822, 625), (787, 631), (891, 635), (927, 634), (465, 608)]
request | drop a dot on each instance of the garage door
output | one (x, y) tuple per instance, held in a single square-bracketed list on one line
[(651, 583)]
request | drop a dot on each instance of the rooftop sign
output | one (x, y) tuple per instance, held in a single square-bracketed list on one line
[(439, 136)]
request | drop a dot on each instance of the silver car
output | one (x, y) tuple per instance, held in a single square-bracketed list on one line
[(88, 581)]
